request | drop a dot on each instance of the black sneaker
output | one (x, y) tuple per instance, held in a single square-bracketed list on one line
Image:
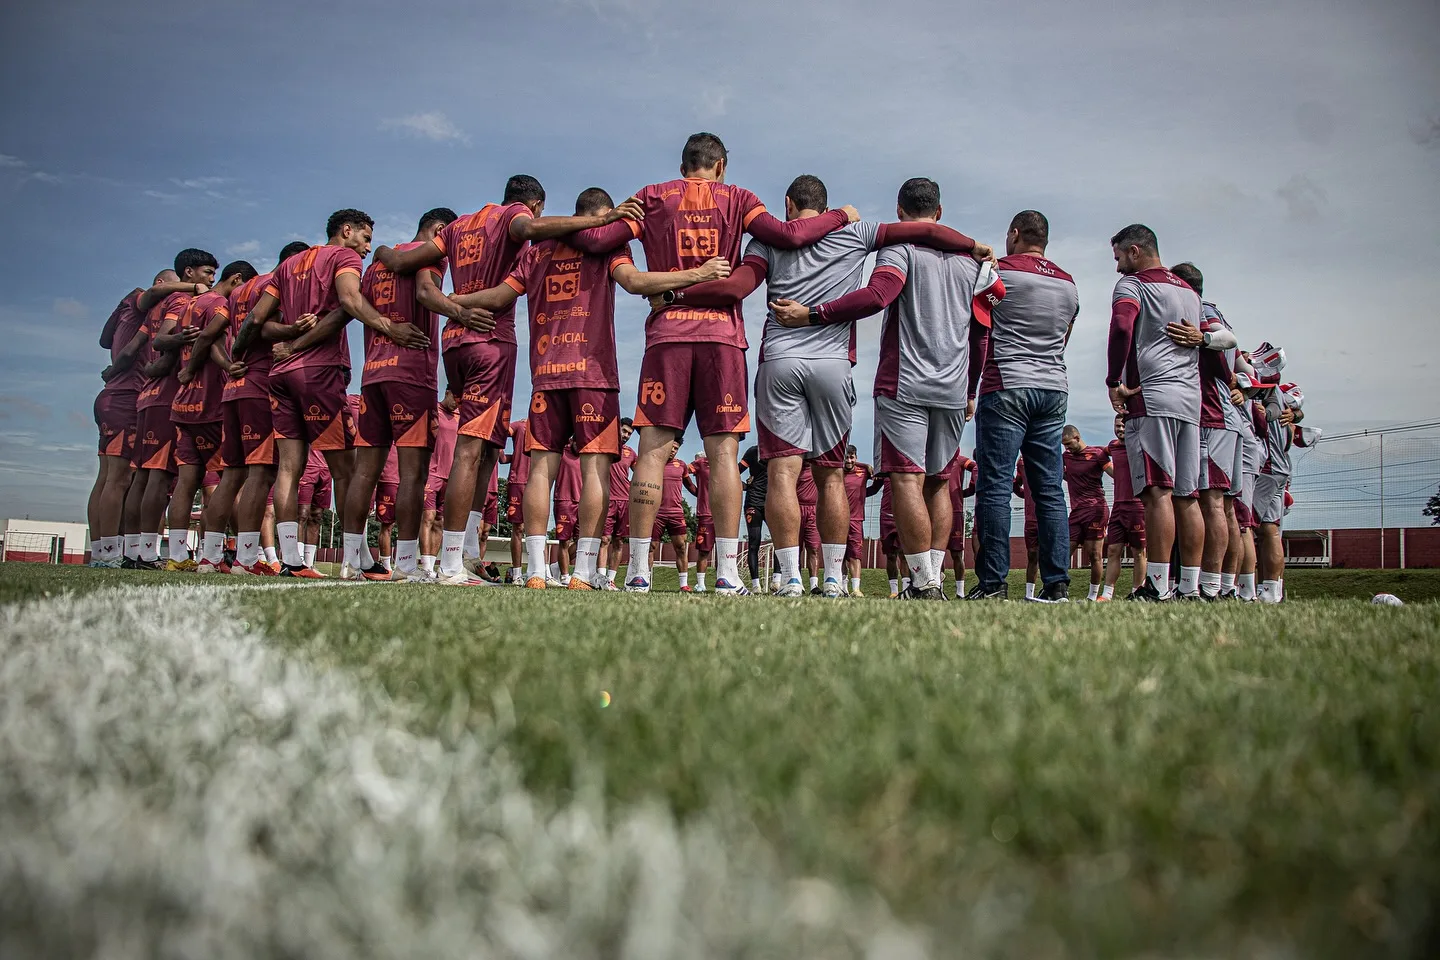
[(1231, 594), (815, 591), (1146, 593), (146, 565), (1198, 596), (1057, 592), (982, 592), (935, 592)]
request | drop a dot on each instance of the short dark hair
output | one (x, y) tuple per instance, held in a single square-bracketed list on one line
[(851, 449), (160, 277), (441, 215), (592, 200), (1034, 229), (1070, 428), (191, 257), (338, 220), (1137, 235), (807, 192), (919, 196), (523, 188), (1190, 274), (626, 422), (290, 249), (242, 267), (702, 151)]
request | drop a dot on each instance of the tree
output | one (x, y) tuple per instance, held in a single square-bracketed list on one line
[(1432, 509)]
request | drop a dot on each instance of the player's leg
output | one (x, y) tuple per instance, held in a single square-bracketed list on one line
[(1114, 558), (1245, 579), (720, 391), (358, 497), (726, 493), (1094, 553), (92, 508), (251, 514), (290, 458), (647, 484), (1216, 540), (942, 518), (833, 520), (782, 514), (1000, 425), (544, 465), (1230, 566), (220, 510), (118, 475), (414, 468), (680, 543), (590, 524), (754, 532)]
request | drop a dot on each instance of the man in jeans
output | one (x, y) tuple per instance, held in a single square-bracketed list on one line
[(1023, 397)]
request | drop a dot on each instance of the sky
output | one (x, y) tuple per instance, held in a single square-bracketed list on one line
[(1290, 149)]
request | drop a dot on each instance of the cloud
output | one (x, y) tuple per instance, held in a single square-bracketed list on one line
[(433, 125), (1426, 133), (44, 177), (13, 163), (1303, 198), (247, 249), (70, 307), (21, 408), (161, 196), (201, 183)]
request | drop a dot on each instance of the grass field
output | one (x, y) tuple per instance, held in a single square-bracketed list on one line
[(858, 778)]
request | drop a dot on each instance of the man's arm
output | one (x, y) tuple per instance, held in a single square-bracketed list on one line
[(936, 236), (125, 359), (689, 482), (794, 234), (429, 295), (1210, 335), (1110, 470), (649, 283), (168, 339), (877, 483), (743, 281), (354, 304), (160, 291), (317, 331), (885, 285), (255, 320), (200, 353), (1123, 314), (408, 261), (979, 353), (107, 332), (492, 299), (160, 366), (535, 229)]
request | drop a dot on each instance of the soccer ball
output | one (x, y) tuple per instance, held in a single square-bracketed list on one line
[(1388, 600)]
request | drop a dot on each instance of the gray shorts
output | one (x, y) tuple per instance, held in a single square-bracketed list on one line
[(1270, 497), (1222, 460), (910, 438), (804, 408), (1164, 452)]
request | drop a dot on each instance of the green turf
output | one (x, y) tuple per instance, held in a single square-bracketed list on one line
[(1172, 779)]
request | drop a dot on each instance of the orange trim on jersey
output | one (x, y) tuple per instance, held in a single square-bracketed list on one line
[(263, 455), (699, 195), (607, 442), (117, 443), (216, 463), (160, 460), (640, 420), (432, 268), (514, 284), (754, 212), (347, 270), (743, 426), (417, 436), (484, 425), (333, 436), (636, 228), (531, 445), (272, 289)]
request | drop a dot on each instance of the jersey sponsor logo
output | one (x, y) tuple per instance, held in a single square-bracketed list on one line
[(562, 286), (187, 407), (398, 412), (729, 406), (382, 292), (697, 242), (314, 413), (547, 340), (553, 369), (652, 391), (248, 432), (694, 313), (372, 365), (470, 249), (587, 414)]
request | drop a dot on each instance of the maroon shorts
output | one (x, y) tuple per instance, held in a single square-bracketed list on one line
[(116, 416), (315, 494), (1032, 538), (710, 380), (590, 417), (809, 526), (155, 440), (385, 495), (1087, 522), (617, 519), (249, 438), (1244, 516), (394, 413), (957, 534), (435, 493), (705, 533), (567, 515), (211, 479), (855, 542), (198, 445), (671, 523), (491, 514), (1127, 526), (310, 405), (484, 374), (515, 506), (889, 536)]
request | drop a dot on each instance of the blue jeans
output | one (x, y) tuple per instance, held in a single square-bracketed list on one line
[(1008, 422)]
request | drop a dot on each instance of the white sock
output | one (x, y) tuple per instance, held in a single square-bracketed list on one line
[(514, 572), (535, 565), (149, 546), (310, 549), (639, 559), (565, 579), (553, 570), (179, 545), (727, 551), (904, 584), (833, 559), (270, 555), (1227, 582), (1029, 591), (854, 584), (700, 582), (288, 533), (814, 581), (1158, 574), (1210, 582), (787, 561), (94, 549), (587, 556), (367, 559), (427, 563), (132, 546), (352, 551), (894, 586), (247, 548), (1270, 591), (1094, 591), (213, 547), (604, 572), (1109, 591), (472, 534), (754, 584), (1189, 579), (937, 564), (110, 546), (685, 579), (922, 573), (1245, 583), (405, 553), (1280, 589), (452, 550)]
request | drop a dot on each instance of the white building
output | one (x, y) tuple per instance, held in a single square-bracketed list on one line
[(45, 541)]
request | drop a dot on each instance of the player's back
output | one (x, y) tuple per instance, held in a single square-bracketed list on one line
[(925, 342), (1216, 368), (826, 270), (131, 319), (305, 283), (1028, 327), (1167, 374), (1120, 460), (1083, 471), (393, 297), (571, 303), (481, 253), (620, 474)]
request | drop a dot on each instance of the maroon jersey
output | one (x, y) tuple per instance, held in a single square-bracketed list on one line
[(571, 301), (161, 391), (447, 424), (393, 296), (700, 470), (254, 383), (805, 490), (129, 321), (1083, 473), (887, 505), (567, 480), (686, 223), (675, 473), (620, 474), (199, 400), (962, 475), (520, 466), (1021, 487), (316, 469), (1120, 460), (482, 253), (305, 283), (857, 478)]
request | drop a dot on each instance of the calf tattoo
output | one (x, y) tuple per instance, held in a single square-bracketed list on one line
[(646, 493)]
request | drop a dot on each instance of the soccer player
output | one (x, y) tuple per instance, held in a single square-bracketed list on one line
[(857, 482), (807, 496), (313, 496), (617, 514), (757, 486), (694, 359), (1276, 415), (567, 519), (1156, 383), (1024, 393), (1084, 466), (247, 445), (155, 434), (961, 480), (1020, 487), (1253, 448), (484, 249), (804, 390), (519, 432), (197, 413), (125, 336), (447, 423), (698, 483), (895, 567), (939, 305), (396, 419), (670, 518), (1126, 528)]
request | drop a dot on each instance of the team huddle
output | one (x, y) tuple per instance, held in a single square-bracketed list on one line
[(236, 383)]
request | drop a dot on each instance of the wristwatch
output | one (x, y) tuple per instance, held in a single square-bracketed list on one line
[(1205, 340), (669, 297)]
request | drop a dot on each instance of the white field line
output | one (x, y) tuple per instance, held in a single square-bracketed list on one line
[(170, 786)]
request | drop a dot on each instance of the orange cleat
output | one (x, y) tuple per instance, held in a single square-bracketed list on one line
[(535, 583)]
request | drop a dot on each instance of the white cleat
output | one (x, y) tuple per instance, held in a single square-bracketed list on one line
[(461, 578), (724, 588), (833, 590), (637, 585), (792, 589)]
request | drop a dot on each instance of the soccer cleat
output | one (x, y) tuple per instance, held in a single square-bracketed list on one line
[(576, 583), (980, 592), (724, 588), (815, 590), (1058, 592), (257, 569), (895, 596), (205, 566), (300, 573), (1195, 597), (145, 565), (1209, 597), (687, 589), (516, 579), (114, 563), (857, 593), (181, 566), (1146, 593), (607, 585), (792, 589), (1102, 599), (1231, 594), (275, 565), (376, 572), (832, 590), (932, 592), (537, 583), (460, 578), (637, 585)]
